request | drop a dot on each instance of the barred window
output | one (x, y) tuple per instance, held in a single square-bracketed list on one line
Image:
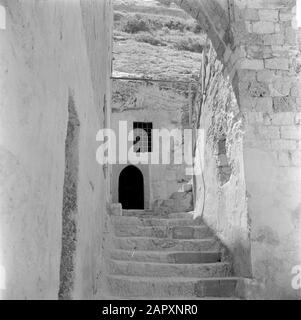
[(142, 137)]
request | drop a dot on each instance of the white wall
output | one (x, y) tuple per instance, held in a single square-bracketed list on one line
[(48, 50)]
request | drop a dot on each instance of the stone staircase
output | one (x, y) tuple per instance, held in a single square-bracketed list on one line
[(167, 257)]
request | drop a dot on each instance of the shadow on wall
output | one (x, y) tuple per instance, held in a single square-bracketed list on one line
[(224, 167), (70, 209)]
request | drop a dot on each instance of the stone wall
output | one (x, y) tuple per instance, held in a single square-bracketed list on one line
[(55, 68), (258, 43), (270, 97)]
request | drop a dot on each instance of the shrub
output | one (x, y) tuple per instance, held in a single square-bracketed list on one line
[(190, 44), (147, 38), (197, 28), (174, 24), (166, 3), (118, 16), (135, 25)]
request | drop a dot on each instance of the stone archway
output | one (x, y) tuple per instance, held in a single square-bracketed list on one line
[(215, 19), (131, 188), (218, 19)]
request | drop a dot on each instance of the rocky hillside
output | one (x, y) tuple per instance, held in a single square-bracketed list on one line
[(155, 39)]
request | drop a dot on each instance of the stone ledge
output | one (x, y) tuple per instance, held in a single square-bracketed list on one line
[(250, 289)]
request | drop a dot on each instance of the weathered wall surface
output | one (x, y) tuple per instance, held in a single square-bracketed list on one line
[(165, 107), (49, 54), (258, 43), (221, 193)]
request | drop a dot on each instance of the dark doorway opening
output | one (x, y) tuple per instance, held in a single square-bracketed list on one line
[(131, 188)]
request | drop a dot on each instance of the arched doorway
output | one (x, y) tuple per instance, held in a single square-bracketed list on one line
[(131, 188)]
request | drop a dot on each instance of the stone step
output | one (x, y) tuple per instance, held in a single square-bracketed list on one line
[(140, 243), (130, 221), (136, 213), (167, 256), (191, 232), (151, 214), (181, 215), (142, 269), (173, 232), (126, 286)]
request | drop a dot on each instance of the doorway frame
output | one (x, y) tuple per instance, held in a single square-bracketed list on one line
[(145, 170), (136, 179)]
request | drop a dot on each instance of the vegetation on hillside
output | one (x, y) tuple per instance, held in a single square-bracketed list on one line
[(181, 34), (148, 43)]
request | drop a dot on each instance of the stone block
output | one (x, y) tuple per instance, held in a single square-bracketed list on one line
[(280, 87), (258, 89), (273, 39), (298, 119), (269, 132), (280, 50), (277, 28), (252, 64), (251, 14), (298, 104), (187, 188), (283, 118), (246, 75), (162, 211), (267, 120), (258, 104), (264, 104), (267, 4), (295, 91), (178, 195), (283, 104), (116, 209), (265, 75), (277, 64), (168, 203), (285, 16), (259, 52), (290, 36), (284, 159), (264, 27), (268, 15), (283, 144), (254, 117), (296, 158), (293, 133)]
